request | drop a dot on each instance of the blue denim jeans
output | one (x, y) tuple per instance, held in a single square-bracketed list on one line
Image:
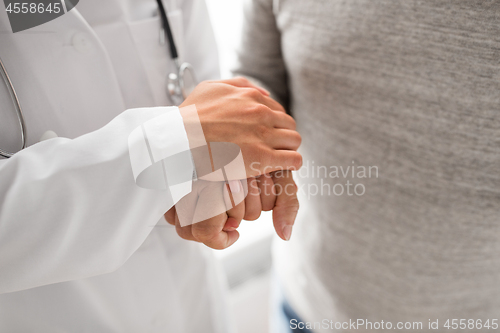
[(282, 312)]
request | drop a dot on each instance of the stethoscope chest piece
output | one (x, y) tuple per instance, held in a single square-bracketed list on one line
[(182, 84)]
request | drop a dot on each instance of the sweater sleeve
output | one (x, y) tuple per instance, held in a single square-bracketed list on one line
[(260, 56)]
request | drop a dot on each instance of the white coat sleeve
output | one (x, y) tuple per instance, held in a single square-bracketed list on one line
[(70, 209)]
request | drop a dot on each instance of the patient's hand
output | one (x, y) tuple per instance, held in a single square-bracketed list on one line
[(275, 192), (209, 198)]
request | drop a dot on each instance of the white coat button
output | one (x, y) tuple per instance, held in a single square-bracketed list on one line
[(81, 42)]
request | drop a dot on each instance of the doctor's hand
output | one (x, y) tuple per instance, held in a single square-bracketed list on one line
[(238, 112)]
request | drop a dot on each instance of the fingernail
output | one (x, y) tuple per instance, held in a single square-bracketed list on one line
[(234, 185), (287, 232), (266, 91)]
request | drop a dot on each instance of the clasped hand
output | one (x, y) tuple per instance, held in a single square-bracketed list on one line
[(238, 112)]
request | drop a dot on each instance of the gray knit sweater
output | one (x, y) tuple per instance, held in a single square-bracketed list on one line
[(411, 88)]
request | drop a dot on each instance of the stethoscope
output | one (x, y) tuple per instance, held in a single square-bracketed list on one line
[(17, 105), (179, 85), (182, 83)]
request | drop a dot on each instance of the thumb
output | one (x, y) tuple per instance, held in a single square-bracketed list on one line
[(287, 205)]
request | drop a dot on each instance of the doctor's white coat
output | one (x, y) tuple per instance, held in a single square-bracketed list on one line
[(80, 247)]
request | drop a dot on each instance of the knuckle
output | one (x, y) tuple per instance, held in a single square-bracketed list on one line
[(262, 113), (299, 161), (252, 93), (204, 232), (293, 190), (242, 79), (258, 110), (293, 205), (298, 139), (184, 234), (296, 161)]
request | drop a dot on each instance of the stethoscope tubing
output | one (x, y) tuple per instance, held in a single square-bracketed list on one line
[(173, 52), (180, 92), (168, 31), (17, 106)]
